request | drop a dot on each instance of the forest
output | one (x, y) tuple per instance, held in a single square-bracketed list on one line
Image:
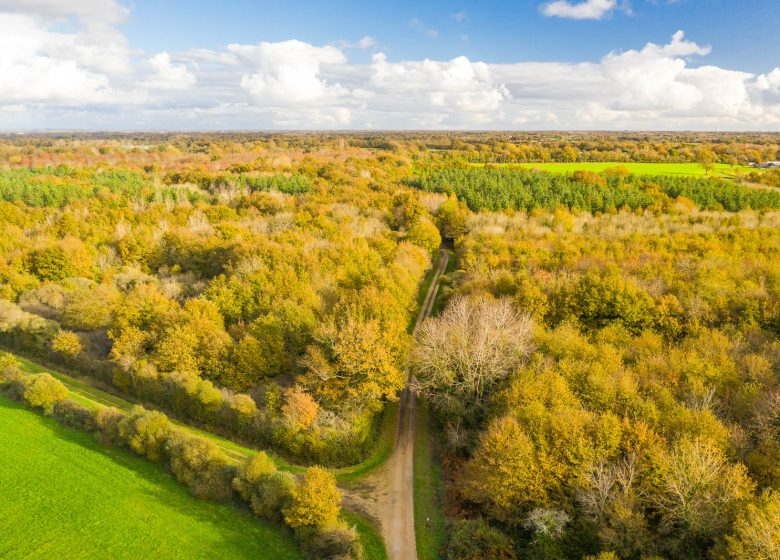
[(601, 367)]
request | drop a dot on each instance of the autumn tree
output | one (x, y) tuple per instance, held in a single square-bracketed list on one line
[(67, 343), (44, 391), (425, 234), (353, 364), (462, 355), (451, 218), (299, 409), (699, 489), (505, 475), (756, 532), (315, 503)]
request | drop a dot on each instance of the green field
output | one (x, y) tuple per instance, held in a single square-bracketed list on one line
[(690, 169), (63, 495)]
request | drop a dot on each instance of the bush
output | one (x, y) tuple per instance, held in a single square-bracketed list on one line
[(474, 539), (200, 465), (67, 343), (145, 431), (106, 421), (43, 391), (9, 369), (73, 415), (338, 543), (267, 490)]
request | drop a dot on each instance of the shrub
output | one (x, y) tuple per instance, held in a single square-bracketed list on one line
[(145, 431), (43, 391), (9, 369), (267, 490), (67, 343), (200, 465), (337, 543), (474, 539), (72, 414), (106, 421)]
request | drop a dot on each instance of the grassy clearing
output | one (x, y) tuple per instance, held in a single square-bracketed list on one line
[(688, 169), (381, 451), (425, 286), (429, 523), (91, 397), (452, 266), (372, 541), (66, 496)]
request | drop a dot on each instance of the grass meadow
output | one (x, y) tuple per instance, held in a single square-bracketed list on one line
[(64, 495)]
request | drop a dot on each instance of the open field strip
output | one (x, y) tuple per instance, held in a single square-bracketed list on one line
[(91, 397), (66, 496), (682, 169)]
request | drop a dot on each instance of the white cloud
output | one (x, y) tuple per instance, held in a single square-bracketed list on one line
[(586, 9), (168, 75), (460, 16), (288, 73), (416, 23), (366, 42), (103, 12), (41, 66), (72, 67), (449, 88)]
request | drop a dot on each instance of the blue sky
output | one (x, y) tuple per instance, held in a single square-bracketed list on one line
[(527, 64), (744, 33)]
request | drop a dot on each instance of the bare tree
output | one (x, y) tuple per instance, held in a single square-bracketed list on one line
[(462, 354), (699, 488), (612, 499)]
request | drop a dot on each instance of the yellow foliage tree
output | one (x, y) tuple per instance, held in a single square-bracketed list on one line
[(315, 501)]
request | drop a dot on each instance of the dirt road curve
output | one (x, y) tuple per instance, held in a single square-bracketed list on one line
[(393, 485)]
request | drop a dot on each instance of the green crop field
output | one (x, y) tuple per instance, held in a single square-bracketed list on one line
[(690, 169), (63, 495)]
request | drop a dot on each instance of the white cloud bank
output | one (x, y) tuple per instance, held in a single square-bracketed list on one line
[(88, 77), (586, 9)]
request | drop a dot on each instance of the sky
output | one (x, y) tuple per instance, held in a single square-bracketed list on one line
[(369, 65)]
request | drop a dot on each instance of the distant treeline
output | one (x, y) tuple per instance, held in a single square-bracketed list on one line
[(497, 188), (56, 187)]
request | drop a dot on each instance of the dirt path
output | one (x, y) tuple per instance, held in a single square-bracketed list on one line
[(388, 495)]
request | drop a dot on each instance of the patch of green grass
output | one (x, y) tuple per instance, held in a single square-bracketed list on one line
[(689, 169), (372, 541), (452, 265), (424, 287), (91, 397), (381, 451), (63, 495), (429, 522)]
